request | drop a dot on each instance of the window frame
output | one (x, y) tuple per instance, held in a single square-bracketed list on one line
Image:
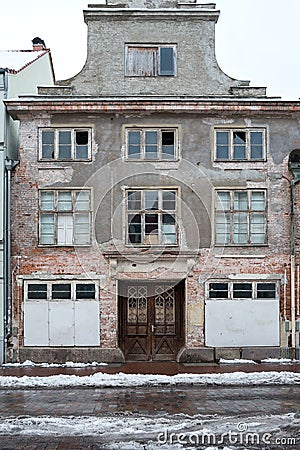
[(143, 156), (50, 283), (128, 72), (232, 213), (73, 131), (230, 290), (160, 212), (73, 213), (230, 132)]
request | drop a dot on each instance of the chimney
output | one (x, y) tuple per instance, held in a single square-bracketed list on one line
[(38, 44)]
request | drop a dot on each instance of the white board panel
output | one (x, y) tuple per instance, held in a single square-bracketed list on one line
[(36, 324), (241, 323), (87, 328), (61, 323)]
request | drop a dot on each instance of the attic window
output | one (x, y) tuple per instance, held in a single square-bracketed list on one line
[(150, 61)]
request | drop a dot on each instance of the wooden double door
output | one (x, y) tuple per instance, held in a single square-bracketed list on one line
[(151, 320)]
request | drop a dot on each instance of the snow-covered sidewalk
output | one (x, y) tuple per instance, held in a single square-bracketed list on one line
[(128, 380)]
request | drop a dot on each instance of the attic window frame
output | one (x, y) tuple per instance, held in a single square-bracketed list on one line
[(157, 70), (73, 131)]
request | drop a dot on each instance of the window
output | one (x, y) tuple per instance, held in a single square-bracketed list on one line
[(61, 291), (65, 144), (240, 144), (240, 217), (151, 217), (150, 60), (65, 217), (151, 144), (253, 290)]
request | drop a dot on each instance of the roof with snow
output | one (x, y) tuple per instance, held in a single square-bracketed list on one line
[(16, 60)]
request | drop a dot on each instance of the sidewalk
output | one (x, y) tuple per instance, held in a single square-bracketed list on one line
[(151, 368)]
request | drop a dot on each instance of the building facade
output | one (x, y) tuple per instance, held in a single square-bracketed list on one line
[(21, 71), (152, 209)]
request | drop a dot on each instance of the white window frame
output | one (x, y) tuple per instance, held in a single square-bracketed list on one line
[(146, 240), (69, 216), (230, 290), (247, 131), (232, 214), (49, 285), (143, 155), (73, 132), (157, 72)]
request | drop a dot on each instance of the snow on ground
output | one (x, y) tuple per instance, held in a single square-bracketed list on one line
[(129, 380), (71, 364), (125, 431), (237, 361)]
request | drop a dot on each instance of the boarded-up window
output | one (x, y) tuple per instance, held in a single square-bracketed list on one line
[(63, 314), (150, 61)]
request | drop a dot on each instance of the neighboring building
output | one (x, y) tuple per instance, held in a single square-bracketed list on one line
[(151, 207), (21, 71)]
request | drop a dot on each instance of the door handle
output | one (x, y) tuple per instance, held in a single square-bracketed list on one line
[(152, 328)]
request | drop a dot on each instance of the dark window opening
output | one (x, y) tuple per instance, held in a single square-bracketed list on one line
[(61, 291), (218, 290), (82, 144), (85, 291), (37, 292)]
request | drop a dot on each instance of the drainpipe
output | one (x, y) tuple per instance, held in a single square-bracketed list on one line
[(295, 170), (293, 286), (9, 165)]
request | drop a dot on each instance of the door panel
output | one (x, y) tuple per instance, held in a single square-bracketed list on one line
[(151, 321)]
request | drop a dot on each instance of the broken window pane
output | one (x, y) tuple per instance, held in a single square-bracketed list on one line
[(48, 144), (167, 66), (64, 145), (151, 229), (239, 145), (81, 144), (168, 144)]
